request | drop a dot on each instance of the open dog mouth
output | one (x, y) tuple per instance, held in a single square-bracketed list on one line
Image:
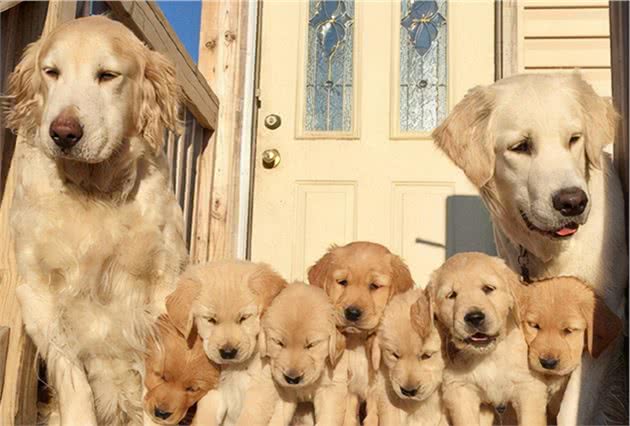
[(479, 339), (565, 231)]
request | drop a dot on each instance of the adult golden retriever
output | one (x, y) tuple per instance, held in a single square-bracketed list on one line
[(360, 278), (98, 233), (532, 144)]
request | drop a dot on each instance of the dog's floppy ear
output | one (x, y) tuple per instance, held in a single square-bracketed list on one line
[(161, 95), (179, 305), (336, 347), (463, 136), (602, 325), (318, 273), (401, 277), (517, 290), (600, 120), (266, 284), (421, 313), (374, 346), (24, 84)]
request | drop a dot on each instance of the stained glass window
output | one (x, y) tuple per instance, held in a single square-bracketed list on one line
[(329, 68), (423, 68)]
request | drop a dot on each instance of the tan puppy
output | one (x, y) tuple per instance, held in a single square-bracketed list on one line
[(178, 373), (486, 352), (560, 317), (225, 300), (407, 354), (359, 278), (306, 357)]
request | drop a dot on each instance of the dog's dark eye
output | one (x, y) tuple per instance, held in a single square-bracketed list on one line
[(51, 72), (374, 286), (396, 355), (574, 139), (568, 330), (342, 282), (309, 345), (524, 146), (104, 76), (451, 295), (243, 318), (425, 356), (211, 320), (192, 389), (278, 342), (534, 325), (488, 289)]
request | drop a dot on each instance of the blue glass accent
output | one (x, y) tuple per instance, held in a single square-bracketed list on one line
[(422, 22)]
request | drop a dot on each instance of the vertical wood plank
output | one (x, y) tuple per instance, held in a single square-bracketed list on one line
[(19, 397), (222, 63)]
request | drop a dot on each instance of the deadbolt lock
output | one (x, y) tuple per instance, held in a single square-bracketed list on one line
[(273, 121)]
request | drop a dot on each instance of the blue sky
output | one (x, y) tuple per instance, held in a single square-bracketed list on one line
[(185, 17)]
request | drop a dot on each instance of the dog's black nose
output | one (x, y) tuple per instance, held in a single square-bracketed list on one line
[(352, 313), (570, 201), (66, 130), (228, 352), (408, 392), (475, 318), (548, 363), (161, 414), (292, 379)]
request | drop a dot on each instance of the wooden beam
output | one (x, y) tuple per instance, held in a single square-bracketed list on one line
[(149, 23), (506, 38), (222, 62), (19, 396)]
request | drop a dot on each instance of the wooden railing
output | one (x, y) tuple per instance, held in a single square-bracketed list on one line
[(191, 156)]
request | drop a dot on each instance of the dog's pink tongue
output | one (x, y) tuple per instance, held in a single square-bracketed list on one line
[(566, 231)]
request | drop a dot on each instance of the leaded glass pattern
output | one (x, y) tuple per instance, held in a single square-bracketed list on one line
[(423, 65), (329, 68)]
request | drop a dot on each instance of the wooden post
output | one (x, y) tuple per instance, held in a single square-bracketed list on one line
[(221, 61), (19, 396)]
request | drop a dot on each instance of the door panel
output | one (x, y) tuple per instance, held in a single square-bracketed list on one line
[(360, 176)]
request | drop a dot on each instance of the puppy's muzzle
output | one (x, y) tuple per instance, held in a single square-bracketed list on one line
[(228, 352), (548, 363), (66, 130), (475, 318), (161, 414), (570, 201), (352, 313)]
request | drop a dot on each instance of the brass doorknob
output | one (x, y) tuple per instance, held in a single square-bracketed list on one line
[(270, 158)]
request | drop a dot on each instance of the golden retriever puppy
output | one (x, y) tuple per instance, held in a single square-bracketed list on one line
[(225, 301), (98, 232), (306, 358), (360, 278), (486, 351), (560, 316), (178, 373), (407, 357)]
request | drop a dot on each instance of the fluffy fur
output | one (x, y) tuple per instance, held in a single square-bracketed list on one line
[(560, 318), (359, 277), (305, 357), (564, 125), (178, 373), (225, 300), (407, 357), (487, 355), (98, 233)]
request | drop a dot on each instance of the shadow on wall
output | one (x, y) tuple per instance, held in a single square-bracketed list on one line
[(468, 226)]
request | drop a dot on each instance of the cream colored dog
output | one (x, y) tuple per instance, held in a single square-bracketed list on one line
[(407, 357), (532, 144), (226, 300), (486, 352), (360, 278), (560, 318), (98, 232), (306, 359)]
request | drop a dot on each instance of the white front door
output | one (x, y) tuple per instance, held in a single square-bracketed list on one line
[(358, 87)]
